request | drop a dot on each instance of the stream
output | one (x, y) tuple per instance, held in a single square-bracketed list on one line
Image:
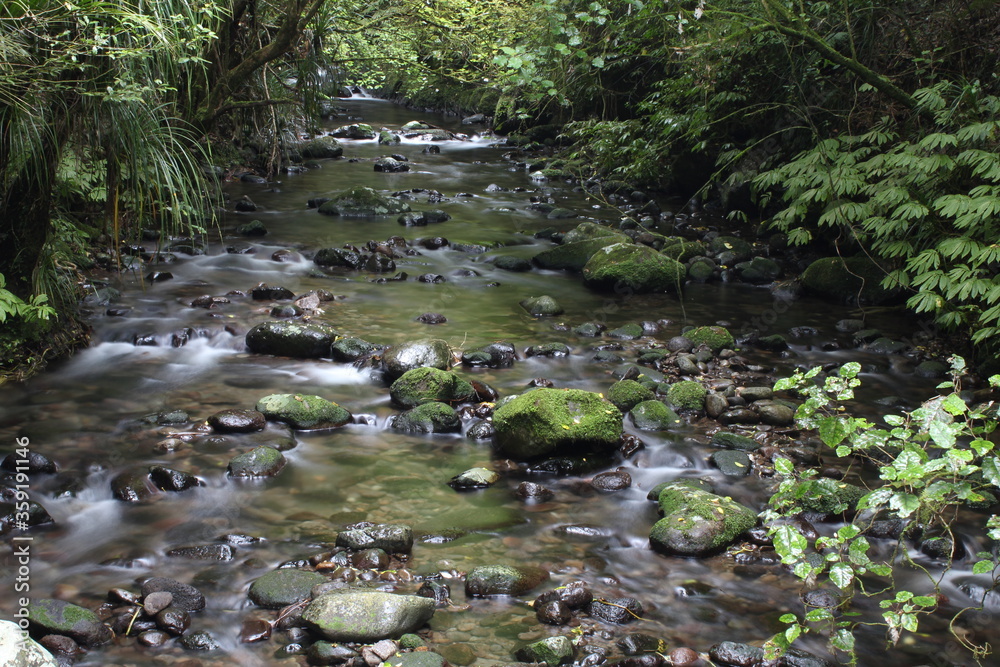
[(87, 415)]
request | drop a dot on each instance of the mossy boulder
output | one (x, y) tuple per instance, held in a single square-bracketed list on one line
[(759, 270), (363, 202), (698, 523), (687, 396), (283, 587), (729, 440), (847, 280), (574, 256), (258, 462), (424, 385), (321, 148), (653, 415), (684, 250), (542, 306), (739, 249), (58, 617), (432, 353), (503, 580), (717, 338), (303, 411), (428, 418), (586, 231), (393, 538), (634, 268), (355, 131), (300, 340), (547, 420), (352, 349), (551, 651), (366, 616), (626, 394), (829, 496)]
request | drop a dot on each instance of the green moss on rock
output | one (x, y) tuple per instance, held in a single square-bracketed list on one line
[(684, 250), (574, 256), (653, 415), (303, 411), (687, 395), (626, 394), (847, 280), (363, 202), (717, 338), (698, 523), (425, 385), (635, 268)]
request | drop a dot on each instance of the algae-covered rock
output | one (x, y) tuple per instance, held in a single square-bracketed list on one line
[(829, 496), (739, 249), (283, 587), (355, 131), (424, 385), (503, 580), (847, 280), (687, 395), (653, 415), (551, 651), (366, 616), (586, 231), (635, 268), (717, 338), (393, 538), (729, 440), (321, 148), (301, 340), (259, 462), (626, 394), (363, 202), (684, 250), (542, 306), (303, 411), (698, 523), (574, 256), (57, 617), (428, 418), (546, 420)]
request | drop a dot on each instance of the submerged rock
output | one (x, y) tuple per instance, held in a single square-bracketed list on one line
[(391, 538), (542, 306), (58, 617), (366, 616), (486, 580), (258, 462), (361, 202), (546, 420), (551, 651), (428, 418)]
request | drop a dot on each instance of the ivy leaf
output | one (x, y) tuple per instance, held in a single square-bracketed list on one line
[(842, 575), (789, 542)]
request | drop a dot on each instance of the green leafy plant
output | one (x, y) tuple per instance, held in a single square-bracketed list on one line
[(33, 310), (929, 461)]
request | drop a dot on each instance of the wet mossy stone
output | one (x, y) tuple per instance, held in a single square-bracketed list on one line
[(393, 538), (237, 421), (200, 641), (132, 486), (551, 651), (586, 231), (486, 580), (546, 420), (542, 306), (280, 588), (729, 440), (847, 280), (499, 354), (511, 263), (338, 258), (687, 395), (355, 131), (387, 137), (433, 353), (366, 616), (731, 463), (717, 338), (741, 250), (303, 411), (258, 462), (574, 256), (363, 202), (548, 350), (425, 385), (631, 331), (58, 617), (322, 148), (626, 394), (616, 610), (701, 270), (829, 496), (352, 349), (252, 228), (300, 340), (684, 250), (653, 415), (168, 479), (774, 413), (428, 418), (697, 523), (759, 271), (635, 268)]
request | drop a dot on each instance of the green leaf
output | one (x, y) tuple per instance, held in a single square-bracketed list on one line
[(820, 614), (788, 618), (954, 404), (789, 542), (792, 633), (842, 575), (983, 567), (843, 640), (924, 601)]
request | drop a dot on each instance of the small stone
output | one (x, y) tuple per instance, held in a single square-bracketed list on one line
[(612, 481), (475, 478), (156, 602), (174, 621), (533, 491), (255, 630)]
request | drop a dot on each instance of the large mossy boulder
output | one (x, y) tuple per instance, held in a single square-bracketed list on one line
[(304, 412), (283, 587), (432, 353), (635, 268), (360, 202), (626, 394), (698, 523), (574, 256), (653, 415), (322, 147), (425, 385), (355, 131), (366, 616), (682, 251), (738, 249), (716, 338), (428, 418), (544, 421), (586, 231), (301, 340), (58, 617), (687, 396), (847, 280)]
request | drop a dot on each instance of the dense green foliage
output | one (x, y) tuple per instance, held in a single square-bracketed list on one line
[(929, 462)]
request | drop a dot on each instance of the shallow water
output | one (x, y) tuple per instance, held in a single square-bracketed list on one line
[(83, 415)]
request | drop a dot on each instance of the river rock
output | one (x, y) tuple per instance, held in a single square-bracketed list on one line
[(687, 396), (34, 463), (259, 462), (173, 621), (252, 228), (626, 394), (185, 597), (428, 418), (17, 650), (132, 486), (485, 580), (280, 588), (542, 306), (390, 165), (729, 440), (551, 650), (391, 538), (200, 641), (474, 478), (339, 258), (731, 463), (738, 415), (362, 202), (424, 385), (774, 413), (716, 338), (511, 263), (616, 480), (500, 354), (847, 279), (548, 350), (57, 617), (168, 479), (300, 340), (653, 415), (626, 267), (217, 552), (434, 353), (715, 404), (574, 256), (354, 131), (616, 610), (237, 421), (698, 523), (356, 616), (737, 248), (543, 421), (352, 349), (322, 148), (302, 411)]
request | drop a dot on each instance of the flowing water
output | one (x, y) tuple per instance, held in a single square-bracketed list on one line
[(85, 415)]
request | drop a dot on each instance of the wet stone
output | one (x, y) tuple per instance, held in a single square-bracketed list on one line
[(214, 552), (618, 611), (432, 318), (185, 596), (436, 590), (33, 463), (638, 643), (553, 612), (474, 478), (237, 421), (200, 641), (612, 481), (392, 538), (548, 350), (157, 602), (174, 621), (731, 463), (168, 479), (132, 486), (552, 651), (153, 638), (533, 491), (486, 580), (255, 630), (738, 416), (259, 462)]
